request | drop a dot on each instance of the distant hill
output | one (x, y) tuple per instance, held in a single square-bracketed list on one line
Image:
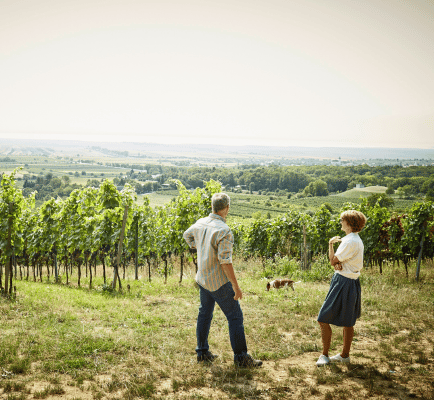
[(365, 192), (12, 147)]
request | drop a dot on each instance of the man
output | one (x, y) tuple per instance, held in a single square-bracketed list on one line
[(213, 240)]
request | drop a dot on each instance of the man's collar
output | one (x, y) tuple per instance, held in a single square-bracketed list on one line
[(216, 216)]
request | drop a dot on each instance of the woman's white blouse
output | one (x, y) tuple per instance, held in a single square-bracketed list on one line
[(350, 254)]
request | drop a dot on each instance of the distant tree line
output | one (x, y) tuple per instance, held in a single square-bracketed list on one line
[(298, 181), (49, 186), (311, 180)]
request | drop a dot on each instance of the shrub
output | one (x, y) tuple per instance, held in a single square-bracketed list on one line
[(281, 266), (320, 269), (20, 366), (256, 215)]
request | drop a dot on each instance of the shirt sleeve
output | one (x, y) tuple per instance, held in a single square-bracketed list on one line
[(189, 237), (346, 250), (224, 248)]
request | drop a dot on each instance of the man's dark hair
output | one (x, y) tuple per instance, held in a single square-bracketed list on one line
[(219, 202)]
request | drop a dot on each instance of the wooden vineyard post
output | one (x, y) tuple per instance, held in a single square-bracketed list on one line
[(8, 266), (149, 268), (56, 272), (118, 257), (66, 267), (182, 267), (136, 249), (103, 266), (419, 258), (14, 270), (14, 264), (164, 258), (89, 261), (304, 248), (7, 273)]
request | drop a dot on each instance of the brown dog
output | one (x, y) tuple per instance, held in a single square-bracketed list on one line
[(279, 283)]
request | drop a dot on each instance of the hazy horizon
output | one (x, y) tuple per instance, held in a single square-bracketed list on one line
[(267, 73), (133, 141), (298, 151)]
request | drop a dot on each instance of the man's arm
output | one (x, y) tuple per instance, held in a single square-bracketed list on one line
[(189, 238), (230, 273)]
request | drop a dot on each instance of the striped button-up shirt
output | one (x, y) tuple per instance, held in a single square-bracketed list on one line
[(213, 240)]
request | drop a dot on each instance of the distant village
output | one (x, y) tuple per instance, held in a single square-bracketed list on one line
[(378, 162)]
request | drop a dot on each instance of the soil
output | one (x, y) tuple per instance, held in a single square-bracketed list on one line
[(274, 381)]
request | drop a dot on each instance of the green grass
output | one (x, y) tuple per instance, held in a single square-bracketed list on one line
[(245, 205), (158, 199), (140, 344), (364, 192)]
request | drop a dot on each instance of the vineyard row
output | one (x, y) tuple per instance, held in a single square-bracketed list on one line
[(106, 226)]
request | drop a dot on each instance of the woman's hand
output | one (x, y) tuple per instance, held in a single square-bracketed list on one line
[(338, 267), (335, 239), (334, 260)]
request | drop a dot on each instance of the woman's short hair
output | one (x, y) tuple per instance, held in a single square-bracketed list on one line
[(219, 202), (355, 219)]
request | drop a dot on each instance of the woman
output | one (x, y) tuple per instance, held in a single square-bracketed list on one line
[(343, 302)]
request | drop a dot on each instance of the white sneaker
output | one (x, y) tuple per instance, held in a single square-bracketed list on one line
[(338, 358), (322, 360)]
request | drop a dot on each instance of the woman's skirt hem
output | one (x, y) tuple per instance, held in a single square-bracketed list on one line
[(342, 306)]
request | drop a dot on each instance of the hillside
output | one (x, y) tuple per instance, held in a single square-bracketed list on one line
[(365, 192)]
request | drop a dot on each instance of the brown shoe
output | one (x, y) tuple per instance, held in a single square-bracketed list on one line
[(207, 357), (246, 361)]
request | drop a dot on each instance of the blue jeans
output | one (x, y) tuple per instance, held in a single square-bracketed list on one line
[(224, 297)]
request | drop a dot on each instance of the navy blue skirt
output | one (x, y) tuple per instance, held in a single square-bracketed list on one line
[(342, 305)]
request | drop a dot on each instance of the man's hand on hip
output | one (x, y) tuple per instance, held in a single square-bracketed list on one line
[(230, 273), (238, 294)]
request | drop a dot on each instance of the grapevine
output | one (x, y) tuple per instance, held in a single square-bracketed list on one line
[(106, 226)]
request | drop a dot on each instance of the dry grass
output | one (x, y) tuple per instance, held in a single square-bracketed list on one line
[(64, 342)]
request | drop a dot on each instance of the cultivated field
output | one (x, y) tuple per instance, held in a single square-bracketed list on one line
[(246, 205), (90, 165), (59, 341)]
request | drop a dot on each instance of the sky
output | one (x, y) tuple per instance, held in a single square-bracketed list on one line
[(232, 72)]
